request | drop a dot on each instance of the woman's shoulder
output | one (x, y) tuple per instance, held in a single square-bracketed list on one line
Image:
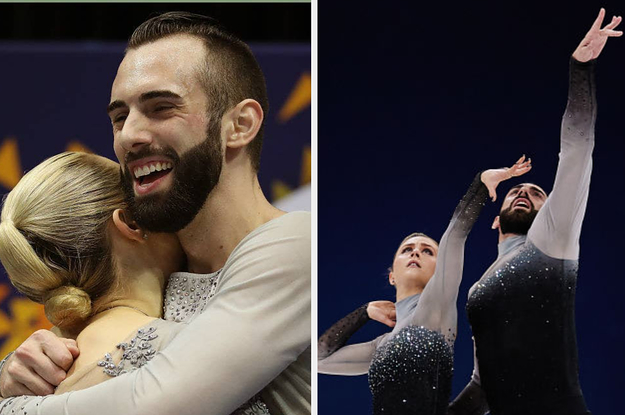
[(136, 350)]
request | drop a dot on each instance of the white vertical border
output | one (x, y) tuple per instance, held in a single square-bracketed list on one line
[(313, 204)]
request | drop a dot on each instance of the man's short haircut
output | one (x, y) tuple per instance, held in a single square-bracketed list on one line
[(231, 73)]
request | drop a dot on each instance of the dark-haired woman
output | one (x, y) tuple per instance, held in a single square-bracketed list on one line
[(410, 368)]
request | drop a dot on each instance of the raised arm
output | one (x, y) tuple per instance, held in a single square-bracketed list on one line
[(437, 306), (252, 329), (334, 358), (557, 226)]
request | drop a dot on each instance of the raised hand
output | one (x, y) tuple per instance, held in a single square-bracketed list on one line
[(491, 178), (594, 41), (382, 311)]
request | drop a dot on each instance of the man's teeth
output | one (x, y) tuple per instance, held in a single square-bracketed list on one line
[(150, 168)]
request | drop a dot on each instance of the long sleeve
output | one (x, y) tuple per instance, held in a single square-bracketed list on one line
[(472, 399), (557, 227), (256, 325), (437, 306), (334, 358)]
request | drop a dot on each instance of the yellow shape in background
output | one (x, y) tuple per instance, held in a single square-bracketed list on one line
[(298, 100), (306, 167), (27, 317), (10, 166), (279, 189), (78, 147)]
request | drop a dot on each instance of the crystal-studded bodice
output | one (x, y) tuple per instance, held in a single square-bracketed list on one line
[(522, 316), (411, 373), (186, 297)]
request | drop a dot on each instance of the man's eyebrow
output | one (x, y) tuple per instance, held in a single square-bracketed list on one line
[(518, 186), (142, 98), (158, 94), (539, 190), (115, 105)]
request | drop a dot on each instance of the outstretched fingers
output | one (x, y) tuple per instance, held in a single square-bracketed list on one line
[(520, 167), (609, 29), (597, 24)]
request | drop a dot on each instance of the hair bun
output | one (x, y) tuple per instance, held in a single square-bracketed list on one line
[(67, 307)]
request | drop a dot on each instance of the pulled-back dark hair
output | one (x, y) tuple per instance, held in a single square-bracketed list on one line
[(231, 73)]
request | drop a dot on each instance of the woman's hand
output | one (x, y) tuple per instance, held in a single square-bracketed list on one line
[(382, 311), (594, 41), (491, 178)]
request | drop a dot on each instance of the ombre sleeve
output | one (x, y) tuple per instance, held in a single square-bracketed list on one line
[(334, 358), (436, 309), (557, 227)]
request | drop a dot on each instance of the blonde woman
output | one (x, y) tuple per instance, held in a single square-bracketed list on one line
[(67, 242)]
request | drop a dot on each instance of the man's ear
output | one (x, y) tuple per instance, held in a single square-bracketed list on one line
[(127, 226), (391, 278), (495, 223), (242, 123)]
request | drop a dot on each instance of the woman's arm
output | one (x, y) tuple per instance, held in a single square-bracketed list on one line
[(437, 306), (334, 358)]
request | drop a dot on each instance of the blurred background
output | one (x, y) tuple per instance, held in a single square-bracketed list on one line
[(414, 100), (57, 65)]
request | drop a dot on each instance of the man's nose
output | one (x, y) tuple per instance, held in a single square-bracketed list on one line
[(135, 133)]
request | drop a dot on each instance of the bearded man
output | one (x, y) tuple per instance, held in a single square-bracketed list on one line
[(187, 109), (522, 310)]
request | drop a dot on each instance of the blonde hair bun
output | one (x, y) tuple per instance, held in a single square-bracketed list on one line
[(67, 306)]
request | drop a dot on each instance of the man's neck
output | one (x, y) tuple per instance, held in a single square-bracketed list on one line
[(234, 208), (504, 236)]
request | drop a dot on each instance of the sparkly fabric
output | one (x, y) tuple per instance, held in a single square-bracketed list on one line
[(186, 297), (411, 373), (258, 318), (522, 309), (410, 368), (337, 335), (522, 315), (137, 352)]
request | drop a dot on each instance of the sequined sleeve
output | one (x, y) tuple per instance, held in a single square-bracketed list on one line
[(437, 306), (336, 336), (334, 358), (557, 227), (255, 326)]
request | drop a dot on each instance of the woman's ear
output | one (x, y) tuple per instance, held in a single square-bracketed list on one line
[(127, 226)]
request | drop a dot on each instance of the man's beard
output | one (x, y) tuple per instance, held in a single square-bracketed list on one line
[(195, 175), (516, 221)]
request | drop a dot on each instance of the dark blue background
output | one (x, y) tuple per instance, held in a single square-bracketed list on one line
[(413, 101)]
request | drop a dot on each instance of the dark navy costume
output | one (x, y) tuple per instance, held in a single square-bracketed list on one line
[(522, 309), (410, 368)]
